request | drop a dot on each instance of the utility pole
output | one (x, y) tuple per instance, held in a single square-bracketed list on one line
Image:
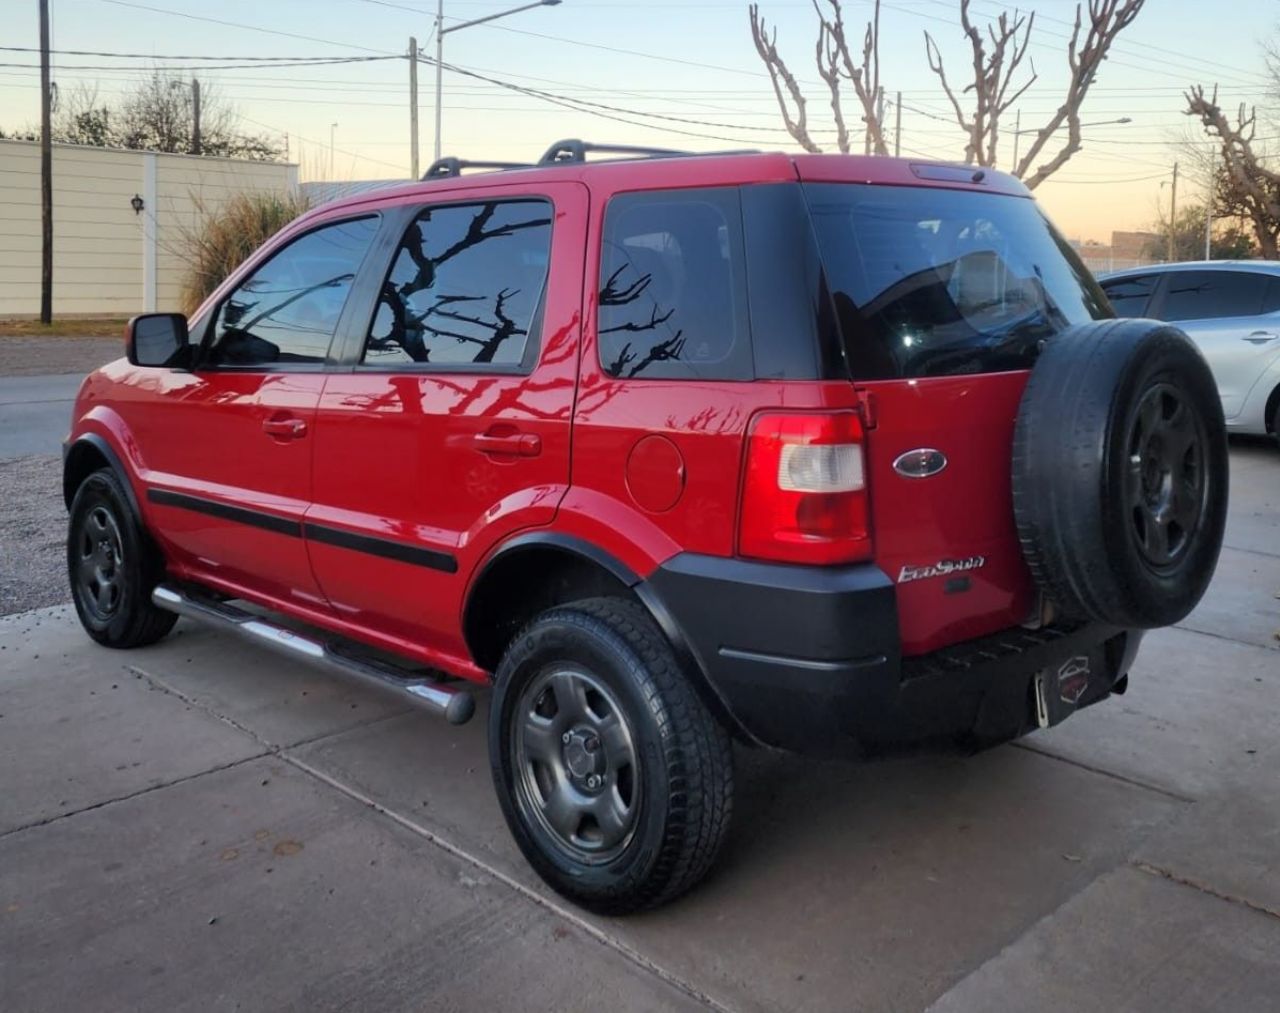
[(897, 126), (413, 107), (195, 117), (439, 70), (332, 128), (1173, 213), (1208, 205), (46, 172), (1017, 133)]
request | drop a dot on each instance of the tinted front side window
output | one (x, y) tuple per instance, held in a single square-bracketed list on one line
[(288, 309), (1204, 295), (466, 287), (929, 282), (673, 294), (1130, 296)]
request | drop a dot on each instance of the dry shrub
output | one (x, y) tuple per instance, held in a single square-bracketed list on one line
[(225, 236)]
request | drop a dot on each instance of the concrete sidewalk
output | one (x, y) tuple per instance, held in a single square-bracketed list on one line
[(201, 825)]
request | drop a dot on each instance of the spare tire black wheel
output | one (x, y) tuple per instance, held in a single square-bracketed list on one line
[(1120, 473)]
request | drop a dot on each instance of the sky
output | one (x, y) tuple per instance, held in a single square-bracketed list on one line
[(692, 63)]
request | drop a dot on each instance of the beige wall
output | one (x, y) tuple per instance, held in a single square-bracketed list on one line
[(100, 245)]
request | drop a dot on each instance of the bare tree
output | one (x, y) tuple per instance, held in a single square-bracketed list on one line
[(1246, 185), (997, 56), (993, 73), (835, 64), (157, 114)]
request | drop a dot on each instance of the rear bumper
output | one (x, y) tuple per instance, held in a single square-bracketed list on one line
[(808, 659)]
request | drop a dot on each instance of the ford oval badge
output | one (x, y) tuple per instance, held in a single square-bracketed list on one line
[(920, 463)]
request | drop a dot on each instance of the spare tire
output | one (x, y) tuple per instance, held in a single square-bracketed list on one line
[(1120, 473)]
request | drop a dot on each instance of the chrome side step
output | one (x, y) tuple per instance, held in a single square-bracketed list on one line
[(455, 705)]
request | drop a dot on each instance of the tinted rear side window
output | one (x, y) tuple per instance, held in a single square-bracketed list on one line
[(1130, 296), (1206, 295), (930, 282), (673, 291), (465, 288)]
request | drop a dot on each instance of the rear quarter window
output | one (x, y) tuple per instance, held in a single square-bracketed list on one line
[(673, 290)]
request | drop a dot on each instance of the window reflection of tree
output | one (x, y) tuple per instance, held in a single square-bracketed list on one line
[(447, 316), (616, 292)]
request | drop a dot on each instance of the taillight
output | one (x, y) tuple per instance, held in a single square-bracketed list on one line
[(804, 495)]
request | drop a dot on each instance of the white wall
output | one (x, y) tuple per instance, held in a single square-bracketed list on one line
[(100, 246)]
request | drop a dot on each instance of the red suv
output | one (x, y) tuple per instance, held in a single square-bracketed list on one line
[(819, 453)]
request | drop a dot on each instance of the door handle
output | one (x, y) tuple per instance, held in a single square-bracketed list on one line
[(509, 444), (1261, 337), (288, 429)]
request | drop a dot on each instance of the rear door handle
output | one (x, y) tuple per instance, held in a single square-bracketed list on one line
[(1261, 337), (509, 444), (288, 429)]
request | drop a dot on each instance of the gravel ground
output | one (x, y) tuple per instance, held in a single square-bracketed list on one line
[(33, 525), (32, 356)]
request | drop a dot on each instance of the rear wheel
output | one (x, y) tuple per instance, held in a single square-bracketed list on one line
[(615, 780), (113, 567)]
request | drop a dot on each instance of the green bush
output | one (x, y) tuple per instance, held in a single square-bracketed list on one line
[(225, 237)]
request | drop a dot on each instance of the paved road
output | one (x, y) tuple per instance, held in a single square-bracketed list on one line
[(202, 825), (35, 412)]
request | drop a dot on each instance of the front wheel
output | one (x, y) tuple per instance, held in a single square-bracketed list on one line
[(615, 780), (113, 567)]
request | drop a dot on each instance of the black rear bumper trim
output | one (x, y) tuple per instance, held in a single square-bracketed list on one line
[(809, 664), (809, 659)]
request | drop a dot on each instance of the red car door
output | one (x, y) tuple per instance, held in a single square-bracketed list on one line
[(451, 429), (228, 446)]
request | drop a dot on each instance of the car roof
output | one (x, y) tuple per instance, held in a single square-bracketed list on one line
[(1252, 266), (674, 171)]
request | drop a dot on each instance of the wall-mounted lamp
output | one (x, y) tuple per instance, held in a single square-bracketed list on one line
[(137, 204)]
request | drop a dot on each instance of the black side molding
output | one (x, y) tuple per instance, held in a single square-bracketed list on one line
[(387, 548), (226, 511)]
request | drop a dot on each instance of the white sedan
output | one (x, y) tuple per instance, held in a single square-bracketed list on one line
[(1231, 309)]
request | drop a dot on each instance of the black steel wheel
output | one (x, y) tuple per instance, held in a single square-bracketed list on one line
[(113, 567), (98, 558), (1167, 486), (616, 781), (574, 754)]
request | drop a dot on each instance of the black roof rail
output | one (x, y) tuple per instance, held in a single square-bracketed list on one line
[(444, 168), (574, 150)]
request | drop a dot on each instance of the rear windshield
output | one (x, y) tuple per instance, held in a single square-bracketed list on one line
[(932, 282)]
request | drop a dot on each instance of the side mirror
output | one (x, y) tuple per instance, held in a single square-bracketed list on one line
[(157, 339)]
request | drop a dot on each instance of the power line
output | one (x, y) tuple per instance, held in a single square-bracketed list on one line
[(248, 28), (240, 66), (171, 56), (593, 108)]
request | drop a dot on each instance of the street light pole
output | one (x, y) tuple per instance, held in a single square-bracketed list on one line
[(441, 31)]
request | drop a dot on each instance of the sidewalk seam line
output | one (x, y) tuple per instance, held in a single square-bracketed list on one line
[(568, 914), (1155, 870), (1220, 636), (1101, 772), (271, 747), (134, 794)]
